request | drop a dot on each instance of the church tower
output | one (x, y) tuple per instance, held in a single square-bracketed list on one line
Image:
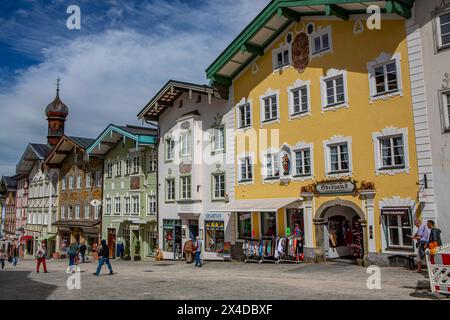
[(56, 113)]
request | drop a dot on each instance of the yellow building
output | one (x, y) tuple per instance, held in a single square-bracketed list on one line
[(324, 128)]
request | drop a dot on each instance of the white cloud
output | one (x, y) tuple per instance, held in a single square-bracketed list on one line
[(108, 77)]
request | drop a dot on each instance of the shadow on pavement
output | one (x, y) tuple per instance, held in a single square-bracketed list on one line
[(422, 290), (19, 286)]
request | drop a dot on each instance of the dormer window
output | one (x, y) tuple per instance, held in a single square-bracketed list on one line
[(281, 57), (321, 41)]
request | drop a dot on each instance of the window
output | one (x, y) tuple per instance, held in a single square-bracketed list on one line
[(117, 206), (71, 183), (302, 162), (218, 139), (63, 212), (69, 212), (299, 100), (87, 212), (79, 182), (218, 186), (294, 219), (88, 180), (185, 187), (321, 41), (339, 161), (244, 225), (335, 91), (268, 225), (386, 78), (446, 110), (281, 57), (398, 227), (136, 164), (98, 179), (97, 212), (214, 231), (109, 170), (136, 205), (245, 116), (170, 147), (246, 168), (392, 152), (272, 166), (185, 140), (151, 204), (443, 29), (77, 211), (118, 168), (170, 190), (152, 163), (128, 165), (127, 205), (108, 206), (270, 111)]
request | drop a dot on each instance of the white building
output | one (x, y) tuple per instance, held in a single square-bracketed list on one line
[(195, 166), (429, 58)]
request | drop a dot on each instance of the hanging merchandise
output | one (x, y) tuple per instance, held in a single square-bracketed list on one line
[(357, 235)]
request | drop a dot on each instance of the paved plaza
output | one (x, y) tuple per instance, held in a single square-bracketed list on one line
[(215, 280)]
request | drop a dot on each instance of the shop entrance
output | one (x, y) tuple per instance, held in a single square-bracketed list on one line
[(112, 243), (343, 234), (193, 229)]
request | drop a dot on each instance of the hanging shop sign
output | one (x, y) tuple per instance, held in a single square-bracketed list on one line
[(395, 211), (335, 187)]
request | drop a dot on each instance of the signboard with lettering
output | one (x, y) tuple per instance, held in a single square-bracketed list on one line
[(395, 211), (214, 217), (335, 187), (227, 250)]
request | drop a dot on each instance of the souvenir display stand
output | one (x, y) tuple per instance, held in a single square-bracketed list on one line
[(276, 250)]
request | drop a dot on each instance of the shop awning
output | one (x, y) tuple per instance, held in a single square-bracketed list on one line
[(258, 205), (48, 236)]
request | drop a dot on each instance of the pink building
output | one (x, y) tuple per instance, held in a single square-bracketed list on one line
[(21, 210)]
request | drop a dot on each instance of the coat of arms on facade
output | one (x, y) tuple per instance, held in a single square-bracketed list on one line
[(300, 52)]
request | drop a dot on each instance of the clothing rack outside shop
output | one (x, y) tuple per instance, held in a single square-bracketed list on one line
[(276, 250)]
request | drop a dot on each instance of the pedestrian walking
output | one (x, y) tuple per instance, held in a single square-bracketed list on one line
[(120, 249), (40, 257), (422, 236), (15, 255), (2, 258), (83, 249), (103, 255), (434, 240), (198, 252), (187, 249), (72, 253)]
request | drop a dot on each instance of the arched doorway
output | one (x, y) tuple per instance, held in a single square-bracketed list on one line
[(340, 230)]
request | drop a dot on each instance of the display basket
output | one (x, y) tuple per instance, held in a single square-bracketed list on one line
[(439, 269)]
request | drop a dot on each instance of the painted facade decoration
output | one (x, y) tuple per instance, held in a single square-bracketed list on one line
[(129, 217), (80, 182), (195, 169), (325, 112)]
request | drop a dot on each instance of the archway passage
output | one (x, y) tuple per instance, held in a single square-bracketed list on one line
[(343, 233)]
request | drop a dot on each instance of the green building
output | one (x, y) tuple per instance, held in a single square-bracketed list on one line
[(129, 215)]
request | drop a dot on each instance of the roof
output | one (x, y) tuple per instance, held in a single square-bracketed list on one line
[(64, 147), (256, 205), (168, 94), (7, 184), (33, 153), (276, 17), (113, 134)]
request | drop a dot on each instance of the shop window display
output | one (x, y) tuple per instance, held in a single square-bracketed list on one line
[(268, 225), (294, 221), (244, 225), (342, 232), (214, 236)]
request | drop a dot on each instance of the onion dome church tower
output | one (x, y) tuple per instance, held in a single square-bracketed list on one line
[(56, 113)]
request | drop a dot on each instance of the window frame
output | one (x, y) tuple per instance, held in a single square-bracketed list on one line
[(117, 206), (245, 107), (298, 86), (332, 75), (182, 178), (334, 141), (399, 228), (215, 133), (152, 205), (169, 149), (437, 29), (108, 206), (135, 204), (247, 166), (382, 61), (444, 100), (185, 138), (275, 162), (392, 156), (302, 151), (320, 32), (378, 161), (152, 164), (167, 193), (213, 186), (268, 95), (281, 50), (88, 211), (238, 231), (261, 220)]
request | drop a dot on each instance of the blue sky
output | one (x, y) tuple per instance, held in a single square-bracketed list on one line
[(124, 52)]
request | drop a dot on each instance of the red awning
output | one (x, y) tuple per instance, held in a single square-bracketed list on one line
[(26, 238)]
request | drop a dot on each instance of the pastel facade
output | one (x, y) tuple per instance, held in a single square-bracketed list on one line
[(80, 182), (8, 188), (331, 129), (195, 166), (429, 59), (129, 189)]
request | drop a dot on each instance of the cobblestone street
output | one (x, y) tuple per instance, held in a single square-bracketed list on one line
[(216, 280)]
